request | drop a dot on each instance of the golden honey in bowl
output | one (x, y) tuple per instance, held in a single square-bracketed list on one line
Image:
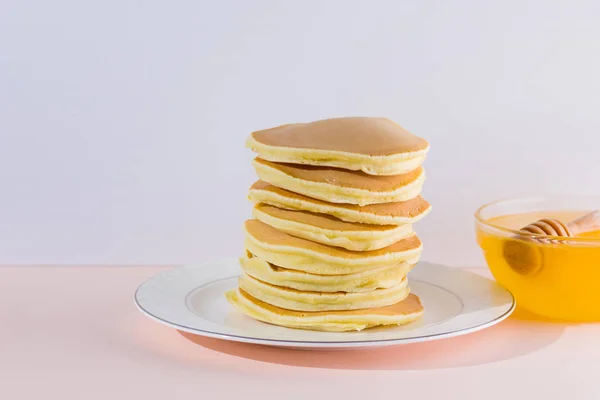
[(556, 278)]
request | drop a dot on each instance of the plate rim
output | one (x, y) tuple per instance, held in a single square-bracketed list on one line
[(314, 343)]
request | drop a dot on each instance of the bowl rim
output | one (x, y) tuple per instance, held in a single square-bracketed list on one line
[(518, 234)]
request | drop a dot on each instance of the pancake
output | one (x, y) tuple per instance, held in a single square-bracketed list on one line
[(292, 299), (341, 186), (408, 310), (376, 146), (376, 278), (325, 229), (279, 248), (396, 213)]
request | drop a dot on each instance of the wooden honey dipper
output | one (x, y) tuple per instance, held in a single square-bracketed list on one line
[(526, 259)]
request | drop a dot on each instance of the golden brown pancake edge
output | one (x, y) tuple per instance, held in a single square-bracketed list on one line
[(409, 208), (264, 233), (410, 305), (343, 177)]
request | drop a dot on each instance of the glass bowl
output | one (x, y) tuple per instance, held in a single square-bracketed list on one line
[(555, 277)]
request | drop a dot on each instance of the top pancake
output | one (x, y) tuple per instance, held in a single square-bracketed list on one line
[(358, 135), (377, 146)]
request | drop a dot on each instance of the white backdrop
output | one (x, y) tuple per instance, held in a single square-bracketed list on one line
[(122, 123)]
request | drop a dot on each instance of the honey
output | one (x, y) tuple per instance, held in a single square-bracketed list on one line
[(566, 282)]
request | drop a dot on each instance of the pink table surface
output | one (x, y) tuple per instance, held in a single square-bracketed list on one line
[(74, 333)]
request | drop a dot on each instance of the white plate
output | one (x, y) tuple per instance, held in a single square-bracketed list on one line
[(191, 299)]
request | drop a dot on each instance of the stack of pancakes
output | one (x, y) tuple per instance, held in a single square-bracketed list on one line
[(332, 241)]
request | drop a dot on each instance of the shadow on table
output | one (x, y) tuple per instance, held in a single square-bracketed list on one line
[(519, 335)]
